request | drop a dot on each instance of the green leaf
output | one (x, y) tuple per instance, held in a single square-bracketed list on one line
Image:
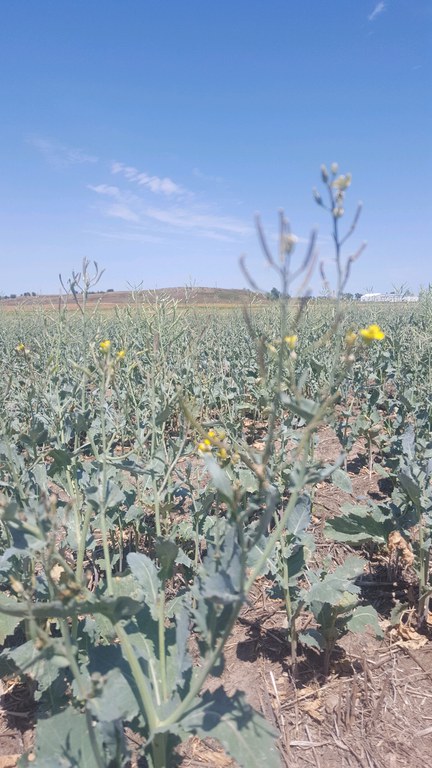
[(254, 557), (364, 616), (244, 734), (396, 613), (63, 741), (8, 624), (134, 513), (144, 572), (299, 518), (166, 552), (220, 478), (411, 487), (312, 638), (408, 442), (302, 407), (44, 666), (114, 698), (115, 608), (342, 480), (331, 589), (61, 460), (359, 525)]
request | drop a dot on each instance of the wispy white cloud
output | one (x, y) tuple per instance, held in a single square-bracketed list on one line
[(60, 155), (156, 184), (193, 219), (129, 237), (379, 8), (105, 189), (121, 211), (122, 208), (206, 177), (169, 219)]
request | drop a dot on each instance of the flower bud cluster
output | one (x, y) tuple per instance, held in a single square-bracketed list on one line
[(289, 341), (371, 333), (22, 349), (216, 443), (105, 347)]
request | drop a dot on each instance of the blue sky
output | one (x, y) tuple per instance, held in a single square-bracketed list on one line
[(145, 134)]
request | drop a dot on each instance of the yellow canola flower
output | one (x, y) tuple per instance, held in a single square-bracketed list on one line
[(204, 446), (222, 453), (105, 346), (372, 333), (350, 338), (120, 354), (291, 341), (20, 347)]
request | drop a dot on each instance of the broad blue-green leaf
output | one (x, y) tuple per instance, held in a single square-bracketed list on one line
[(342, 480), (244, 734), (408, 442), (299, 518), (61, 459), (8, 624), (63, 741), (364, 616), (44, 666), (255, 554), (219, 478), (411, 487), (114, 699), (144, 572), (166, 552), (301, 406), (358, 525), (332, 588), (312, 638)]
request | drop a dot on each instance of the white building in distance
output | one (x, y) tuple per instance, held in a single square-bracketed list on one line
[(387, 297)]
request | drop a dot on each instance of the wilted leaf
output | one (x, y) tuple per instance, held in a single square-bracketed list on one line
[(396, 543), (410, 637), (312, 707)]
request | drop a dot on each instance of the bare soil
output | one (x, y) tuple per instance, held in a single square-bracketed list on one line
[(196, 296)]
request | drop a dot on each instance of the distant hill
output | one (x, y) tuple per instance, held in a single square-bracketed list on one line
[(108, 299)]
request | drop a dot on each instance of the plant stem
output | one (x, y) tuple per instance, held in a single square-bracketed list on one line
[(159, 749), (161, 638)]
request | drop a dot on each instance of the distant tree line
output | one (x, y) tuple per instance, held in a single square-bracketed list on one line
[(28, 294), (15, 296)]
